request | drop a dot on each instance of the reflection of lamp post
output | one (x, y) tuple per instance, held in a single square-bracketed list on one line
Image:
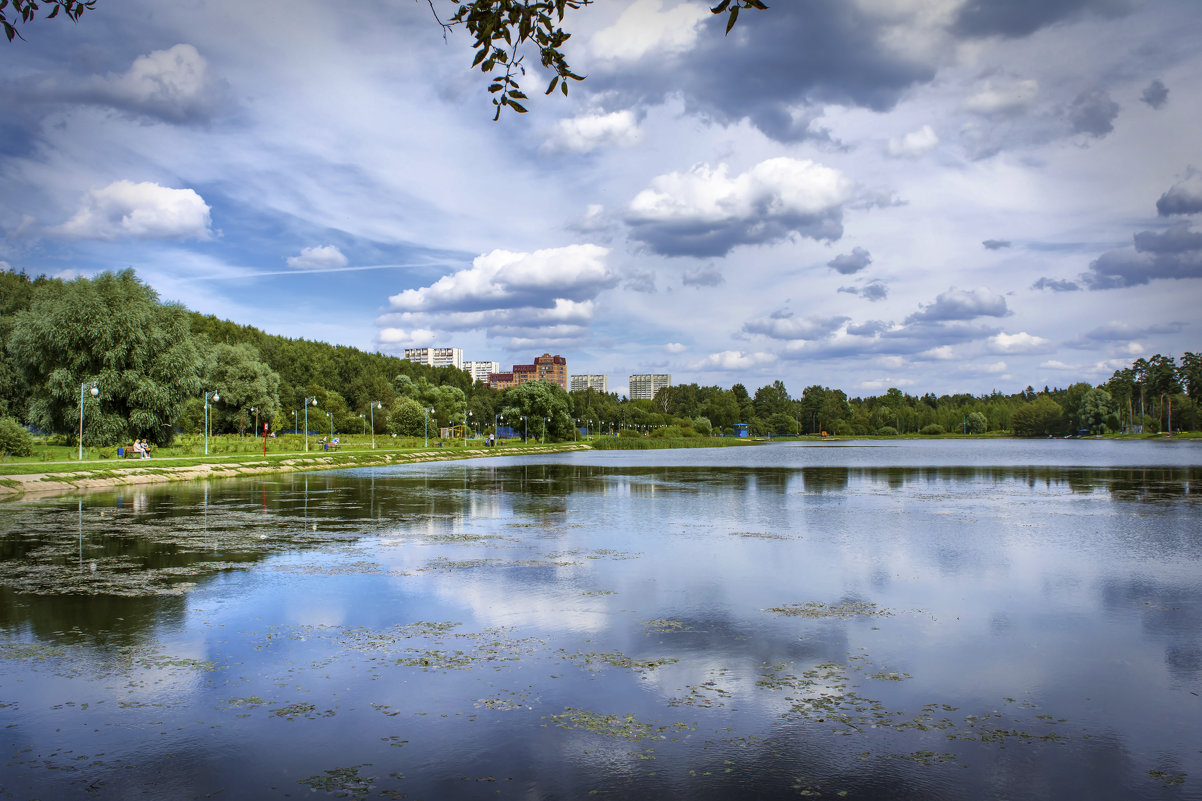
[(95, 391), (209, 417), (373, 407), (310, 401)]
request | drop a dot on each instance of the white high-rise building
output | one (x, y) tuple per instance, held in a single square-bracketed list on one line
[(599, 383), (436, 357), (644, 386), (479, 370)]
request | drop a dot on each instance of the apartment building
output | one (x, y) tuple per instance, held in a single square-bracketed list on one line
[(644, 386), (436, 357), (479, 371), (598, 383)]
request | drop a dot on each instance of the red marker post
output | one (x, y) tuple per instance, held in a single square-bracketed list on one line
[(265, 439)]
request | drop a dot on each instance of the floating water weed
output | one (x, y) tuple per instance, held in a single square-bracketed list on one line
[(619, 727)]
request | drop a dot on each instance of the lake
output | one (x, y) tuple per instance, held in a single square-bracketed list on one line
[(862, 620)]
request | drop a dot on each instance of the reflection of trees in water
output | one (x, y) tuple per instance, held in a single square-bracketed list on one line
[(1136, 484), (115, 562), (1170, 611)]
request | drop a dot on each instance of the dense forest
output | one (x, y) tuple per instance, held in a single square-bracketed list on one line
[(156, 366)]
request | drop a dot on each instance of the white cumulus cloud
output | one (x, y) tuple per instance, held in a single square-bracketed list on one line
[(644, 27), (705, 212), (913, 144), (1022, 342), (125, 209), (1003, 98), (733, 360), (398, 338), (504, 279), (589, 132), (318, 258)]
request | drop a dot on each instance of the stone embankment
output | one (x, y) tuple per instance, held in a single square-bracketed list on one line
[(61, 477)]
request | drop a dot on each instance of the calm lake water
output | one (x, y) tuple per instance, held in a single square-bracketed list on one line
[(926, 620)]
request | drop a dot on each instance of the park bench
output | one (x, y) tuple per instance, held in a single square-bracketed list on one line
[(130, 453), (332, 446)]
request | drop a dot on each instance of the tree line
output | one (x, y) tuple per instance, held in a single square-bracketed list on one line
[(156, 365)]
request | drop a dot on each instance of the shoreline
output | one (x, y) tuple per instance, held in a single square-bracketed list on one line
[(105, 475)]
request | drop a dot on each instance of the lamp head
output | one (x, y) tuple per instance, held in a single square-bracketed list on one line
[(315, 401), (216, 397), (94, 391)]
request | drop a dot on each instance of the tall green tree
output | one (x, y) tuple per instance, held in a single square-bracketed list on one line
[(113, 330), (539, 402), (1039, 418), (1096, 406), (245, 383), (1189, 373)]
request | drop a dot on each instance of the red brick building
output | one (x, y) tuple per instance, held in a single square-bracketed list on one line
[(552, 369)]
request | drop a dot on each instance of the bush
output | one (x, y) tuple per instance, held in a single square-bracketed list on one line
[(932, 430), (14, 439), (886, 431)]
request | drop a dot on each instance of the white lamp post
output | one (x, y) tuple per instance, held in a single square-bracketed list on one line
[(374, 406), (545, 419), (525, 429), (466, 415), (428, 427), (209, 417), (255, 409), (310, 401), (363, 417), (95, 391), (330, 420)]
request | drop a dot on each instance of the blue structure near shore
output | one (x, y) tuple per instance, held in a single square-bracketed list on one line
[(741, 430)]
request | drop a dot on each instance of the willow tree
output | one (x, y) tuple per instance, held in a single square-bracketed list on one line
[(113, 331)]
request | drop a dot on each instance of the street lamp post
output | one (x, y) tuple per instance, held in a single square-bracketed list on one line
[(525, 429), (545, 419), (373, 407), (309, 401), (330, 420), (363, 417), (255, 409), (95, 391), (466, 415), (428, 427), (209, 417)]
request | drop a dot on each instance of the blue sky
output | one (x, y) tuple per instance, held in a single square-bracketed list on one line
[(938, 195)]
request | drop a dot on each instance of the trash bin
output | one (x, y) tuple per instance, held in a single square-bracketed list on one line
[(121, 451), (325, 446)]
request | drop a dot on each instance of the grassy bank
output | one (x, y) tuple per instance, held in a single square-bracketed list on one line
[(65, 472), (655, 443)]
